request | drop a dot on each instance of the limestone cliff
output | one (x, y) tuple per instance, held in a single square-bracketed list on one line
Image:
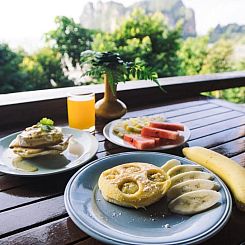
[(107, 16)]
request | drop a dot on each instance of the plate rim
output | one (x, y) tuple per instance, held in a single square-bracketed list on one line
[(128, 146), (104, 238), (59, 171)]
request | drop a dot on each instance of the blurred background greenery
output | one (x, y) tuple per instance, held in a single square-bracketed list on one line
[(143, 37)]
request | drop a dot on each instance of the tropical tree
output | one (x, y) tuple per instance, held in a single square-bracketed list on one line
[(192, 54), (69, 38), (145, 39), (44, 70), (12, 78), (218, 58)]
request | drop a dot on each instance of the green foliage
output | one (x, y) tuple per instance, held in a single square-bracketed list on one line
[(192, 54), (69, 38), (112, 64), (146, 45), (46, 124), (218, 58), (44, 70), (12, 78), (235, 95), (145, 39), (240, 66), (198, 57), (46, 121)]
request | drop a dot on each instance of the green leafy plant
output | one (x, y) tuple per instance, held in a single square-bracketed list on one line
[(46, 124), (116, 68)]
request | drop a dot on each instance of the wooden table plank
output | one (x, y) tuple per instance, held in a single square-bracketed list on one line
[(240, 159), (31, 215), (12, 199), (8, 181), (217, 127), (198, 115), (61, 231), (35, 213), (229, 234), (189, 110), (164, 107), (166, 111), (218, 138), (231, 148), (213, 119), (89, 241), (38, 190)]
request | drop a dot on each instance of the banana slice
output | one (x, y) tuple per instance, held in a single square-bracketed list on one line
[(170, 164), (194, 202), (189, 176), (182, 169), (191, 185)]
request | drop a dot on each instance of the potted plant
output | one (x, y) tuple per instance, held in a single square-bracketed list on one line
[(114, 70)]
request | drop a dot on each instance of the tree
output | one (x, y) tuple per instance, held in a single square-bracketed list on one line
[(44, 70), (12, 78), (146, 39), (192, 54), (218, 58), (69, 38)]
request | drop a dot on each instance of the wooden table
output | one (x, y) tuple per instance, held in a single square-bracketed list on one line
[(32, 210)]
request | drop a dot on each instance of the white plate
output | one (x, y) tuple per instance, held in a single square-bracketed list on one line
[(73, 157), (108, 133)]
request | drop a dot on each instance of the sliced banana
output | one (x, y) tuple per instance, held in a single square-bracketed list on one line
[(170, 164), (182, 169), (191, 185), (194, 202), (189, 176)]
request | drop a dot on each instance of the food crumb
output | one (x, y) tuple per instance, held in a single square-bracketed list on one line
[(167, 226)]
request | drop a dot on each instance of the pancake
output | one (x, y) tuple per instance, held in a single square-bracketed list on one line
[(27, 152), (35, 137), (134, 184)]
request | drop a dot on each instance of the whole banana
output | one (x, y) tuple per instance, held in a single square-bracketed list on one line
[(228, 170)]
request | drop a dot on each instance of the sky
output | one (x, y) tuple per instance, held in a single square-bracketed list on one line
[(23, 22)]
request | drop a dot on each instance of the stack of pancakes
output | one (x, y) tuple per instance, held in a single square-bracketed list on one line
[(34, 141)]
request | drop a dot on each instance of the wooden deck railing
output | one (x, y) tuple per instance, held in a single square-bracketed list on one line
[(25, 108)]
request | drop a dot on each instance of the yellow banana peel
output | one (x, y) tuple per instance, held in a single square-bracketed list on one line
[(228, 170)]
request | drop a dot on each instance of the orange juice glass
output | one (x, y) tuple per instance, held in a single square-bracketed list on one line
[(81, 111)]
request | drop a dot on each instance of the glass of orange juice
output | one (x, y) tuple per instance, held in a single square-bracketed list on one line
[(81, 111)]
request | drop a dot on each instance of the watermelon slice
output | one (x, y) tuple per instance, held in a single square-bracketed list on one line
[(140, 142), (168, 126), (159, 133)]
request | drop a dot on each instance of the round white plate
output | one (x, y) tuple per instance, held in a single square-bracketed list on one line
[(108, 133), (82, 147)]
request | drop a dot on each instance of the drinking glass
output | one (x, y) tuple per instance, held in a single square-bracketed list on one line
[(81, 111)]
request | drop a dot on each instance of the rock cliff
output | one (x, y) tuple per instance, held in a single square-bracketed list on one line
[(107, 16)]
